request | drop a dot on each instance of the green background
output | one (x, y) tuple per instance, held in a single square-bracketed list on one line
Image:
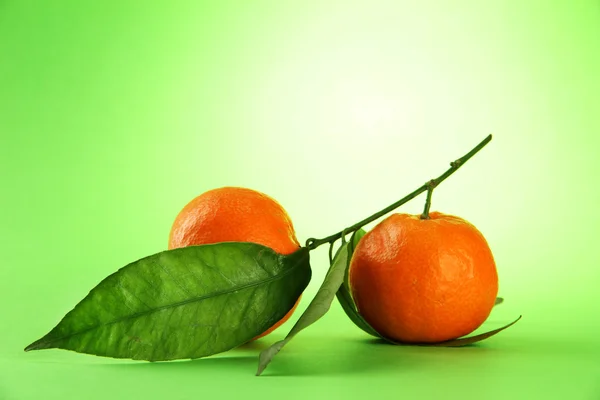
[(114, 114)]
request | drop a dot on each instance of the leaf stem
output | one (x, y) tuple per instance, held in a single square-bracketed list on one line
[(313, 243)]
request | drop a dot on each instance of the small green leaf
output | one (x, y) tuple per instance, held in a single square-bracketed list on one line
[(318, 307), (184, 303), (464, 341), (344, 295)]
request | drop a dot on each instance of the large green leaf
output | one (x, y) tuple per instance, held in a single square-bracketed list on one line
[(184, 303), (316, 309)]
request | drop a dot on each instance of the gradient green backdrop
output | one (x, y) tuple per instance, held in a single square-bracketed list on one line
[(114, 114)]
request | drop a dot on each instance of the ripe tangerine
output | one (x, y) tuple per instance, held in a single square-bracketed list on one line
[(235, 214), (423, 280)]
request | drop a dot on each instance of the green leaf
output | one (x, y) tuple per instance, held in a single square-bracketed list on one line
[(469, 339), (318, 307), (184, 303), (344, 295)]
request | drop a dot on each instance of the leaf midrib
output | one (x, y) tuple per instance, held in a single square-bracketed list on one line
[(179, 304)]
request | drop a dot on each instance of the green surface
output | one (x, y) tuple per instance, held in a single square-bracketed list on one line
[(113, 115)]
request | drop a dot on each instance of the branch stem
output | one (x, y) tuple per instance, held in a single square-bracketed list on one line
[(313, 243)]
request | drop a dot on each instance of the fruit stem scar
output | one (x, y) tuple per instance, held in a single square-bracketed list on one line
[(313, 243)]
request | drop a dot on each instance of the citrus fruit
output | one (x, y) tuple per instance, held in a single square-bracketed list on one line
[(235, 214), (423, 280)]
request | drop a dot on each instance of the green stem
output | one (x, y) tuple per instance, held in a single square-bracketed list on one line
[(430, 187), (312, 243)]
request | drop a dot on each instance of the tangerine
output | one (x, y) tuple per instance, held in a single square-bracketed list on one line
[(235, 214), (423, 280)]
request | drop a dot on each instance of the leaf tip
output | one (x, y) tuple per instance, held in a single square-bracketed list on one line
[(39, 344), (267, 355), (262, 364), (263, 361), (32, 346)]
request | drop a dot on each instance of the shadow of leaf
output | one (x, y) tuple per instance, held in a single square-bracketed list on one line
[(310, 356), (227, 363), (337, 357)]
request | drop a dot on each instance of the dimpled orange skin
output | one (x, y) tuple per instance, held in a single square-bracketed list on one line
[(234, 214), (424, 281)]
